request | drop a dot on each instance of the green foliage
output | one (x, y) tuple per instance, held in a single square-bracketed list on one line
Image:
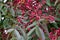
[(48, 2)]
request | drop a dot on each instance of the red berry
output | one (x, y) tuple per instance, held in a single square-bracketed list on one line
[(29, 29)]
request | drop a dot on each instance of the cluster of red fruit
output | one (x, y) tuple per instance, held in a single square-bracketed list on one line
[(54, 34), (34, 10)]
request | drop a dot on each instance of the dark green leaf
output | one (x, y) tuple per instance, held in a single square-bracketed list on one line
[(6, 24), (31, 31), (4, 11), (55, 25), (40, 33), (48, 2)]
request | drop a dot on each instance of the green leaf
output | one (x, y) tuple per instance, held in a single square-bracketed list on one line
[(18, 36), (0, 16), (40, 33), (57, 19), (29, 38), (6, 24), (10, 30), (23, 33), (56, 2), (4, 10), (58, 6), (48, 2), (33, 24), (1, 5), (12, 12), (16, 33), (55, 25), (31, 31), (44, 26)]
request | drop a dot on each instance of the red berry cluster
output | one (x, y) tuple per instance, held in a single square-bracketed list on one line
[(32, 10), (54, 34)]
